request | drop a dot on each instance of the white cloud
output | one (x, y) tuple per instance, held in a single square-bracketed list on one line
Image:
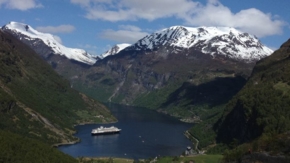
[(57, 38), (250, 20), (57, 29), (125, 34), (118, 10), (193, 13), (91, 49), (20, 4), (87, 46)]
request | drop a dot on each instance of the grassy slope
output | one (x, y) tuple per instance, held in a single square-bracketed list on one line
[(46, 98), (35, 102)]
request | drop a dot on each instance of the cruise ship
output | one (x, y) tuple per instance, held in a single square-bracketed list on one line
[(105, 130)]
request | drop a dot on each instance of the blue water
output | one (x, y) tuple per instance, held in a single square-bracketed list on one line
[(145, 134)]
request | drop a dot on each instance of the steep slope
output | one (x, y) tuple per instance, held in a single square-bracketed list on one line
[(262, 106), (45, 44), (35, 101)]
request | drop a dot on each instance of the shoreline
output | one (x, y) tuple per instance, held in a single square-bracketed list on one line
[(56, 145), (190, 137), (89, 123), (115, 159), (68, 143)]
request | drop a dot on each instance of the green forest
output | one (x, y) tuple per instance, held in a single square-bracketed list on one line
[(19, 149)]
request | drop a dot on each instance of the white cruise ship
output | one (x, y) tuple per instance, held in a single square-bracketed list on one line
[(105, 130)]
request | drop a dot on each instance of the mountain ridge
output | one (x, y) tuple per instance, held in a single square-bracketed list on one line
[(35, 38), (225, 41)]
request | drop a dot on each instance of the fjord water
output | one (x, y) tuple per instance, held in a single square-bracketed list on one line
[(145, 134)]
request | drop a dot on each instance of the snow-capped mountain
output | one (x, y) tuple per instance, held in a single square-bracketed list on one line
[(226, 41), (34, 38), (115, 49)]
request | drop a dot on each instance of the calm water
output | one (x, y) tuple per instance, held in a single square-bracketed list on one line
[(144, 134)]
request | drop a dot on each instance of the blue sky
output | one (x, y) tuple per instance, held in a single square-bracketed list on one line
[(96, 25)]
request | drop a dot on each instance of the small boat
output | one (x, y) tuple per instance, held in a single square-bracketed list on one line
[(105, 130)]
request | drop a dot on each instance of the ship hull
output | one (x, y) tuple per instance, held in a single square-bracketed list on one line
[(106, 133)]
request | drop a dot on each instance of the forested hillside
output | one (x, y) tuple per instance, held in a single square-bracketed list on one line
[(263, 105), (18, 149), (256, 122), (37, 103)]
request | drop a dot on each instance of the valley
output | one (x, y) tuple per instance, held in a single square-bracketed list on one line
[(223, 80), (169, 70)]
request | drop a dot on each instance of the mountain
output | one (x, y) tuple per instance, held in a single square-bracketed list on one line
[(38, 103), (169, 68), (115, 49), (176, 70), (45, 44), (224, 41)]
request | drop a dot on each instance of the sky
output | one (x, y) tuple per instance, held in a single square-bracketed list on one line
[(97, 25)]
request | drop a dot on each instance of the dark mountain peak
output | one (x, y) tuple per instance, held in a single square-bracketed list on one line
[(286, 44)]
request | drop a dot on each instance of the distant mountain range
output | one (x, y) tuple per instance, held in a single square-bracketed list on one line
[(224, 41), (208, 40)]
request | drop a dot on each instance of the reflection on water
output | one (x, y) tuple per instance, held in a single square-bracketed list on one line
[(145, 133), (105, 139)]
